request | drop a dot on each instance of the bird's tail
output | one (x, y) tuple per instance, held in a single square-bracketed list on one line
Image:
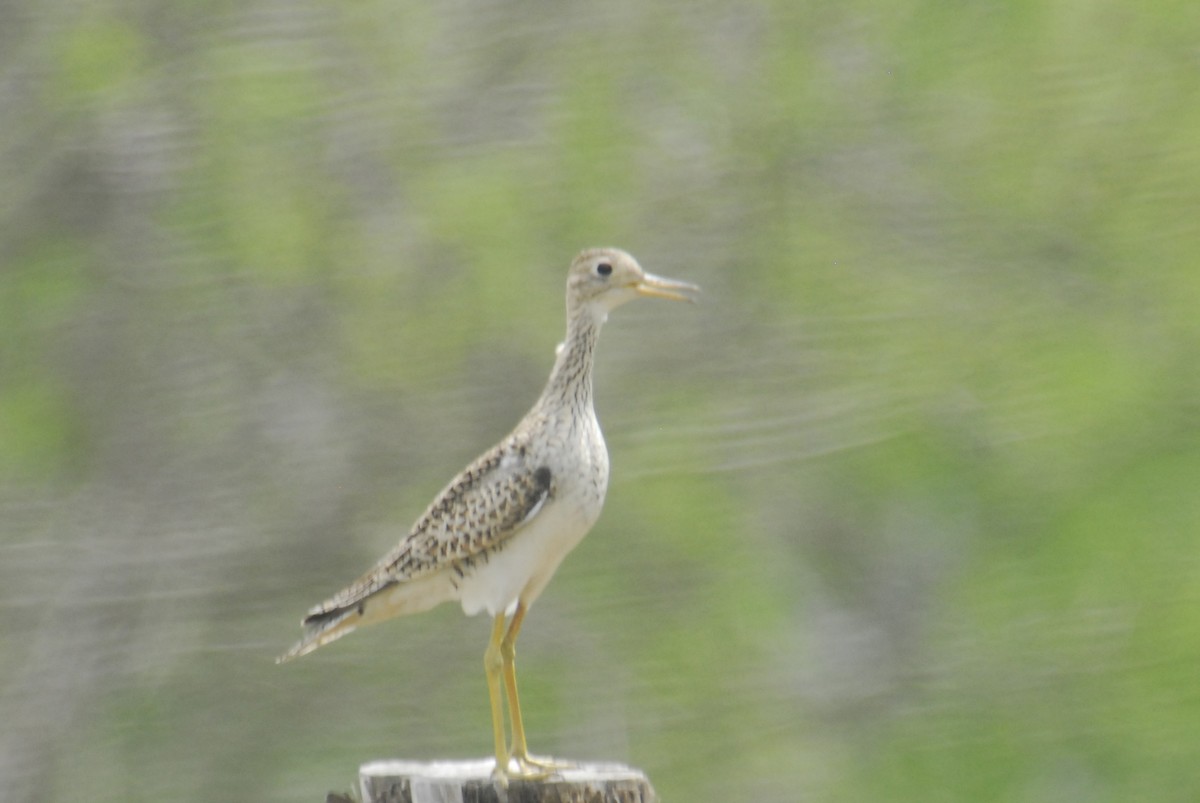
[(357, 607), (322, 627)]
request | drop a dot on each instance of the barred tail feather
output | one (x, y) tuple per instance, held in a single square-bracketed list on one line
[(322, 627), (331, 621)]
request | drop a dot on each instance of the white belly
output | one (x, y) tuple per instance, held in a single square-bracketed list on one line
[(520, 570)]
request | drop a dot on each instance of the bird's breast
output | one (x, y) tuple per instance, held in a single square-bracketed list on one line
[(520, 567)]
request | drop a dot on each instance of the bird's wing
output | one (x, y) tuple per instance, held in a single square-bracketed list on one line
[(484, 505)]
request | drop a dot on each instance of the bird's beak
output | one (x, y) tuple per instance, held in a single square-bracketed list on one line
[(658, 287)]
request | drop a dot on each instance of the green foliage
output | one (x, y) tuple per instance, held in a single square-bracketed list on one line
[(904, 509), (96, 56), (35, 431)]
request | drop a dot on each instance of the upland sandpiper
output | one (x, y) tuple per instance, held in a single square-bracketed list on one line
[(494, 536)]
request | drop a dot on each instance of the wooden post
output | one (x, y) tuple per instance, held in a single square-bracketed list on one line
[(471, 782)]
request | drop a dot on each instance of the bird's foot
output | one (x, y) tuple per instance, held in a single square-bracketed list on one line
[(540, 766), (528, 768), (520, 769), (501, 773)]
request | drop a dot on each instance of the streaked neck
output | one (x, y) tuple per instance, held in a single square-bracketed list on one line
[(570, 383)]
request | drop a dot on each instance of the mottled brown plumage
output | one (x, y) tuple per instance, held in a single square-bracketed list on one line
[(472, 516), (494, 536)]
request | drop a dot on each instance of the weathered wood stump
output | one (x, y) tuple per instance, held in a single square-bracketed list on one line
[(471, 782)]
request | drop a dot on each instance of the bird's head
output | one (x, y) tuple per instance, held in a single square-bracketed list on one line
[(605, 278)]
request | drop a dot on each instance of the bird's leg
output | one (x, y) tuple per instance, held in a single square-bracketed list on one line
[(494, 666), (508, 653), (530, 766)]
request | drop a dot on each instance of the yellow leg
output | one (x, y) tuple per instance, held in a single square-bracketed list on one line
[(529, 766), (493, 666), (508, 652)]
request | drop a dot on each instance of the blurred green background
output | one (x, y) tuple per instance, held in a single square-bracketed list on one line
[(906, 509)]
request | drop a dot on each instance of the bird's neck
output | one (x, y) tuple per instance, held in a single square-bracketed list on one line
[(570, 382)]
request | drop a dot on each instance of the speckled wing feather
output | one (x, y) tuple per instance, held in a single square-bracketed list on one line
[(488, 503), (483, 506)]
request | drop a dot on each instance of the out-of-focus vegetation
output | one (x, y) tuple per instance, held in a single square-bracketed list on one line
[(907, 509)]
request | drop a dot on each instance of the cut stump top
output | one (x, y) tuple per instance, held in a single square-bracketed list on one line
[(471, 782)]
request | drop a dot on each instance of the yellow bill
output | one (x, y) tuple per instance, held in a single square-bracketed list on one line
[(672, 289)]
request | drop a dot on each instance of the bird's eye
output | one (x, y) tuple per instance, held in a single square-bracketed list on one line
[(604, 269)]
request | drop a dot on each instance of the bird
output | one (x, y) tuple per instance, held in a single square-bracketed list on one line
[(494, 536)]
